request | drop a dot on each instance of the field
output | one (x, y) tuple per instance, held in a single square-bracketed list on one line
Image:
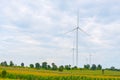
[(15, 73)]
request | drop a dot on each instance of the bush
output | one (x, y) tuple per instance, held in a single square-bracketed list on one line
[(3, 74), (61, 68)]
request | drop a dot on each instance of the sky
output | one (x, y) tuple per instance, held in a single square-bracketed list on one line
[(35, 31)]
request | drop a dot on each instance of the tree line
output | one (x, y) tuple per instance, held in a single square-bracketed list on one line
[(53, 66)]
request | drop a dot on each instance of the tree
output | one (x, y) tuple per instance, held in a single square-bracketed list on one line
[(87, 66), (37, 65), (99, 67), (31, 66), (75, 68), (22, 64), (44, 65), (93, 67), (54, 67), (112, 68), (11, 63), (61, 68), (48, 67), (4, 63), (67, 67)]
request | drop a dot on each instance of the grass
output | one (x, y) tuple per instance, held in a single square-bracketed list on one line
[(6, 79), (14, 73)]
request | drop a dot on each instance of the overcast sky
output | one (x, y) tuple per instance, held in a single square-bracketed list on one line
[(34, 31)]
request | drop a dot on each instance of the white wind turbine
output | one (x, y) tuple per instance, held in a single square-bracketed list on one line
[(77, 29)]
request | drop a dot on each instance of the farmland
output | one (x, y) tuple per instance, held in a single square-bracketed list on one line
[(19, 73)]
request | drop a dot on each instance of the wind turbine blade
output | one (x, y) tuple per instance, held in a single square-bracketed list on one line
[(83, 31), (70, 31)]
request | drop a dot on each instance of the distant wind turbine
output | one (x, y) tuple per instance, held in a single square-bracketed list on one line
[(90, 55), (77, 37)]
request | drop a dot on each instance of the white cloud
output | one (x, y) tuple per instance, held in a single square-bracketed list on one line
[(36, 28)]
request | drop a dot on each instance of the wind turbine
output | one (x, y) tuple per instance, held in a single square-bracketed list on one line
[(73, 56), (90, 56), (77, 29)]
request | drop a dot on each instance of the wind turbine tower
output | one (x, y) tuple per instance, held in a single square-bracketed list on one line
[(77, 37)]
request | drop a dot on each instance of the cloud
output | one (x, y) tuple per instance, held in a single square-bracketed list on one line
[(35, 29)]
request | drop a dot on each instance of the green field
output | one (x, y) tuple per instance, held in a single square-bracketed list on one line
[(15, 73)]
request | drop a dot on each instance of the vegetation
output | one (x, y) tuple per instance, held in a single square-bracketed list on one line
[(11, 63), (54, 72), (22, 64), (3, 74), (31, 66), (61, 68)]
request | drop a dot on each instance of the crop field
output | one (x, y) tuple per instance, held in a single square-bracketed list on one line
[(15, 73)]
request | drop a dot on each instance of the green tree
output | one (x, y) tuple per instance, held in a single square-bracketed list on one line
[(44, 65), (61, 68), (11, 63), (87, 66), (93, 67), (37, 65), (22, 64), (54, 67), (4, 63), (49, 67), (75, 68), (67, 67), (99, 67), (31, 66), (112, 68)]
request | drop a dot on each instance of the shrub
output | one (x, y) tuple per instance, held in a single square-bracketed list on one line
[(61, 68), (3, 74)]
